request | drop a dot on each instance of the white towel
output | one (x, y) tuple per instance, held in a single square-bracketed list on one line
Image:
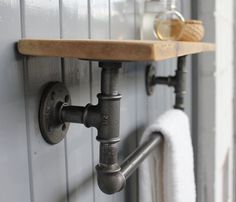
[(177, 170)]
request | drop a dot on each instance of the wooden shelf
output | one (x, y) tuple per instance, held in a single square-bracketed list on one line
[(113, 50)]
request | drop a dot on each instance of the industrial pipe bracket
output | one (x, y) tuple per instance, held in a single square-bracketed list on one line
[(178, 81), (56, 112)]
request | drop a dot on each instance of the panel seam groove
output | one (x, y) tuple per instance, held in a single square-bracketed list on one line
[(25, 72), (90, 92), (62, 62), (29, 149)]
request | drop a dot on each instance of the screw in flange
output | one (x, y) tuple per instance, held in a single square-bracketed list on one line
[(63, 127)]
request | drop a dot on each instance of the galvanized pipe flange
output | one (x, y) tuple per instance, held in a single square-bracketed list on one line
[(55, 95)]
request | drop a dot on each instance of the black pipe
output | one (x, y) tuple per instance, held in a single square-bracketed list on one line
[(110, 180), (178, 81), (109, 77), (131, 163), (88, 115), (73, 114), (170, 81), (180, 87), (105, 116)]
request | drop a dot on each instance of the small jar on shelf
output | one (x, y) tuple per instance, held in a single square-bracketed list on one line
[(161, 21)]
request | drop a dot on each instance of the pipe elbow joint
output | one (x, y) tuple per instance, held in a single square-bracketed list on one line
[(110, 182)]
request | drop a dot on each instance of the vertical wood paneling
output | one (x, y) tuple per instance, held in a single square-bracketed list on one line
[(99, 29), (41, 19), (14, 170), (76, 76)]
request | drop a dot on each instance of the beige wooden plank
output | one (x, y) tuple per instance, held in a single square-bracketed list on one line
[(116, 50)]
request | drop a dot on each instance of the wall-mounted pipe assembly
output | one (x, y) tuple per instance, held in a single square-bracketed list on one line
[(178, 81), (56, 113)]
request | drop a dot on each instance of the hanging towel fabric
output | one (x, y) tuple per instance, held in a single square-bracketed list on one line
[(170, 178)]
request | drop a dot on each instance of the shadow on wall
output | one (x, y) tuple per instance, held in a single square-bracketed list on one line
[(77, 190), (129, 143)]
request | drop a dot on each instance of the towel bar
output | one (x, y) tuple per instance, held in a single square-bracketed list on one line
[(130, 164), (111, 181)]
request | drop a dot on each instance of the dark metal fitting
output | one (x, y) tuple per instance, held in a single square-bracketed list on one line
[(105, 168), (178, 81), (109, 109), (108, 141), (109, 78), (85, 115), (56, 113), (54, 97), (60, 105), (169, 81), (110, 182), (101, 96), (91, 116), (108, 154)]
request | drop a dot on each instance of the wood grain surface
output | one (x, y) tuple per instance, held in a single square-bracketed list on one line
[(115, 50)]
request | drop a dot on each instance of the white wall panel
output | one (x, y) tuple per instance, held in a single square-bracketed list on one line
[(79, 156), (48, 180), (14, 168)]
